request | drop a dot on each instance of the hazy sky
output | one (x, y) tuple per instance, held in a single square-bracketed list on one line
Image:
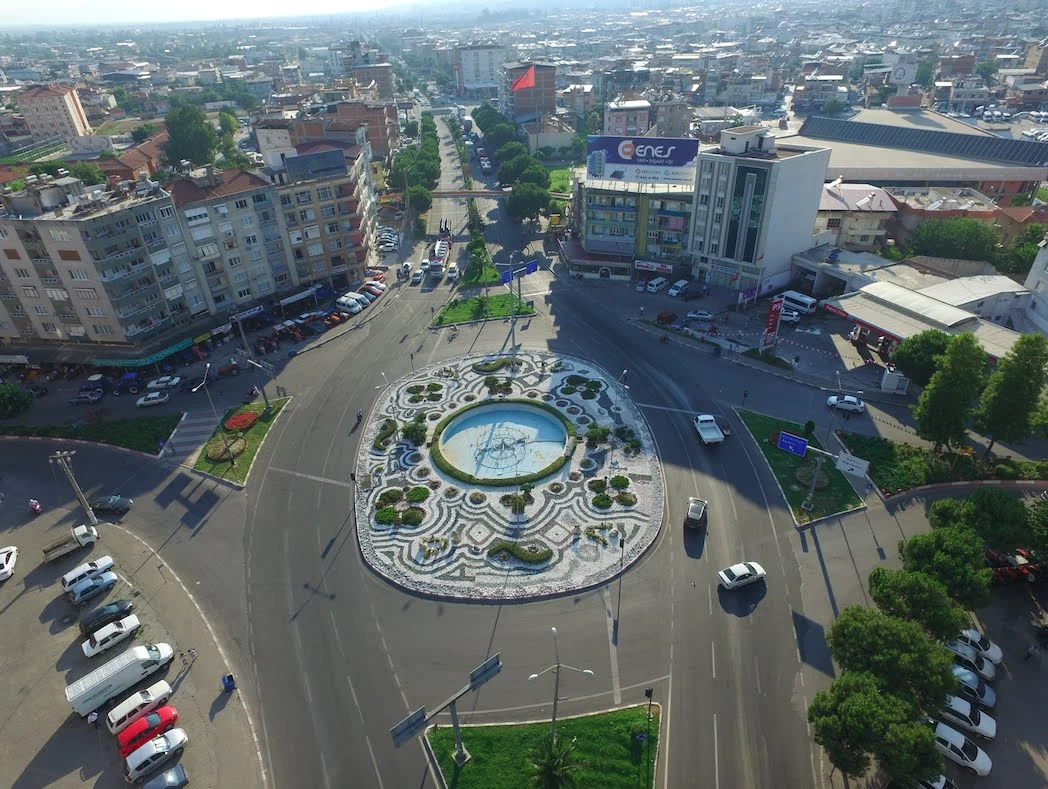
[(78, 12)]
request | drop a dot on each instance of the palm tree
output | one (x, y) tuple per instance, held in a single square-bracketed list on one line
[(553, 763)]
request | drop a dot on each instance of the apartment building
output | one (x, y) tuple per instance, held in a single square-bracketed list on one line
[(476, 68), (853, 216), (755, 206), (528, 104), (670, 115), (86, 265), (379, 74), (967, 93), (343, 121), (53, 111), (627, 117), (579, 101), (916, 204), (234, 232)]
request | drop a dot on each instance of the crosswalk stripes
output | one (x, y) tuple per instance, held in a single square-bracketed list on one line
[(191, 435)]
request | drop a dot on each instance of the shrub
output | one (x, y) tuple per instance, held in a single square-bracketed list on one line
[(476, 497), (597, 485), (1004, 471), (415, 432), (624, 433), (389, 496), (595, 385), (575, 380), (415, 398), (596, 434), (388, 428), (602, 501), (809, 428), (597, 533), (387, 516), (619, 482), (589, 394), (414, 389), (556, 487), (567, 391), (529, 554), (626, 499), (433, 396), (240, 422), (418, 494), (434, 387), (412, 516)]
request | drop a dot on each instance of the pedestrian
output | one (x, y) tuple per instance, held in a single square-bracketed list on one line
[(642, 311), (184, 659), (93, 719), (192, 655), (1031, 652)]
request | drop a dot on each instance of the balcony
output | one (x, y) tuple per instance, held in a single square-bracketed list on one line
[(138, 309), (50, 280), (114, 274), (136, 290)]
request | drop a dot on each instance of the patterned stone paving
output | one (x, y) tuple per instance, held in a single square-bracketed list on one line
[(446, 555)]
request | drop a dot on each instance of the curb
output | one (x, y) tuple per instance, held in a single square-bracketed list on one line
[(1021, 484), (163, 452), (83, 442)]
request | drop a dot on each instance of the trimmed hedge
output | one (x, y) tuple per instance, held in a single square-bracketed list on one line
[(520, 552), (389, 427), (418, 494), (141, 434), (441, 462), (494, 365)]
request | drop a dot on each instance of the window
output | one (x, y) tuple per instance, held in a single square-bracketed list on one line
[(247, 221), (78, 273), (704, 199), (250, 239), (864, 239), (29, 291), (285, 199), (240, 276), (60, 235), (102, 329), (40, 309), (327, 210), (833, 223), (303, 197), (12, 254), (315, 249), (243, 294), (96, 312), (49, 327), (241, 204), (3, 233), (222, 210), (234, 262), (308, 215), (260, 198), (291, 218), (256, 254), (295, 236), (22, 273), (324, 193), (57, 294), (720, 202), (87, 294), (166, 212)]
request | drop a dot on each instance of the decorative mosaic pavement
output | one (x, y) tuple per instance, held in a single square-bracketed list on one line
[(466, 541)]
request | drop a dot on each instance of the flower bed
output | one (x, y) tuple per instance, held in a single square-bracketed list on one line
[(240, 422)]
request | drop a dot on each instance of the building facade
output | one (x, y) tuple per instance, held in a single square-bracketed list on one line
[(853, 216), (528, 104), (627, 117), (53, 111), (671, 114), (755, 206), (476, 68)]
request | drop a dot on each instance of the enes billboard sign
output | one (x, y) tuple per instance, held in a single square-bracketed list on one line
[(646, 160)]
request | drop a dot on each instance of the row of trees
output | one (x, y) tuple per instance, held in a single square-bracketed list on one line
[(895, 671), (969, 239), (416, 168), (1006, 405), (528, 176)]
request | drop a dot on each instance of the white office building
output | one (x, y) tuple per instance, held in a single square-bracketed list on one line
[(755, 206), (476, 68)]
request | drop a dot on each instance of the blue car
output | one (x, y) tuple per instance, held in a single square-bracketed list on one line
[(679, 324)]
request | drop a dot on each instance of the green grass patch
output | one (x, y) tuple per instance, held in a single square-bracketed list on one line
[(252, 435), (896, 467), (502, 305), (837, 496), (768, 357), (141, 433), (607, 750), (560, 180)]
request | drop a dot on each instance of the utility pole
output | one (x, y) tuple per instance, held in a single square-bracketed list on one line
[(61, 459)]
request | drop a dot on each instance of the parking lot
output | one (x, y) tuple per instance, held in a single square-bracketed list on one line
[(45, 742)]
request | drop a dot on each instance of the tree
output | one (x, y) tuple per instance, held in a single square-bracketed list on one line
[(553, 763), (535, 174), (527, 201), (833, 106), (944, 405), (88, 172), (143, 132), (14, 399), (916, 355), (191, 134), (1039, 528), (510, 172), (227, 123), (926, 72), (1013, 392), (411, 129), (896, 651), (510, 151), (1020, 200), (987, 70), (1019, 259), (954, 557), (919, 598), (957, 237), (500, 135), (420, 198), (998, 517)]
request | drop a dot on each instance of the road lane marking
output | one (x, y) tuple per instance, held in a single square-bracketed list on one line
[(709, 588), (757, 674), (374, 762), (716, 755), (312, 477), (713, 657), (612, 647), (665, 408)]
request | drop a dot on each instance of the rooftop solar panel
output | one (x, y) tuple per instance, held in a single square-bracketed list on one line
[(969, 146)]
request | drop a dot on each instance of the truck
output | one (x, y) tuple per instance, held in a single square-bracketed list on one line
[(128, 382), (122, 672), (467, 125), (79, 537), (708, 429)]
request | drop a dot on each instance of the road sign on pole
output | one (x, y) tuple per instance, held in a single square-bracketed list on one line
[(409, 727), (795, 445), (485, 671), (531, 267), (507, 277), (850, 464)]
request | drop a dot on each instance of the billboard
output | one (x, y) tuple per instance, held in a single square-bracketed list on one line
[(771, 329), (644, 160)]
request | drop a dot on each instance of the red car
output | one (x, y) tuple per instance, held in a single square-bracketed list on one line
[(378, 276), (146, 728), (373, 291)]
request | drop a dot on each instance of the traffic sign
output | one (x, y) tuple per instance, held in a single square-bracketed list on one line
[(531, 267), (507, 277), (795, 445), (850, 464), (409, 727), (485, 671)]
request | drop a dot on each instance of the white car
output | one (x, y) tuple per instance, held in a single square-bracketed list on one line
[(960, 750), (789, 316), (700, 315), (8, 558), (967, 716), (964, 655), (375, 284), (846, 403), (982, 645), (153, 398), (165, 382), (741, 574), (110, 635), (86, 570)]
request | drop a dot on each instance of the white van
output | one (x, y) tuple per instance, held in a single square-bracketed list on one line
[(678, 287), (452, 273), (359, 298), (89, 693), (85, 571), (349, 305), (657, 284), (798, 302), (137, 705)]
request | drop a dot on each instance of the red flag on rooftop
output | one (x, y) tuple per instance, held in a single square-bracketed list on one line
[(525, 80)]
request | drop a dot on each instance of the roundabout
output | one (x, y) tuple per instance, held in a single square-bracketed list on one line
[(497, 478)]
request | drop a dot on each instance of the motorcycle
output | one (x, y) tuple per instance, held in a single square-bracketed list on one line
[(34, 506), (664, 339)]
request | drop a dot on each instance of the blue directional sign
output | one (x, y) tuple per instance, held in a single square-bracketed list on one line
[(531, 267), (507, 277), (795, 445)]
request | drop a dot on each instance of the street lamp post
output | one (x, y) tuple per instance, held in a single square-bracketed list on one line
[(222, 432), (555, 668)]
